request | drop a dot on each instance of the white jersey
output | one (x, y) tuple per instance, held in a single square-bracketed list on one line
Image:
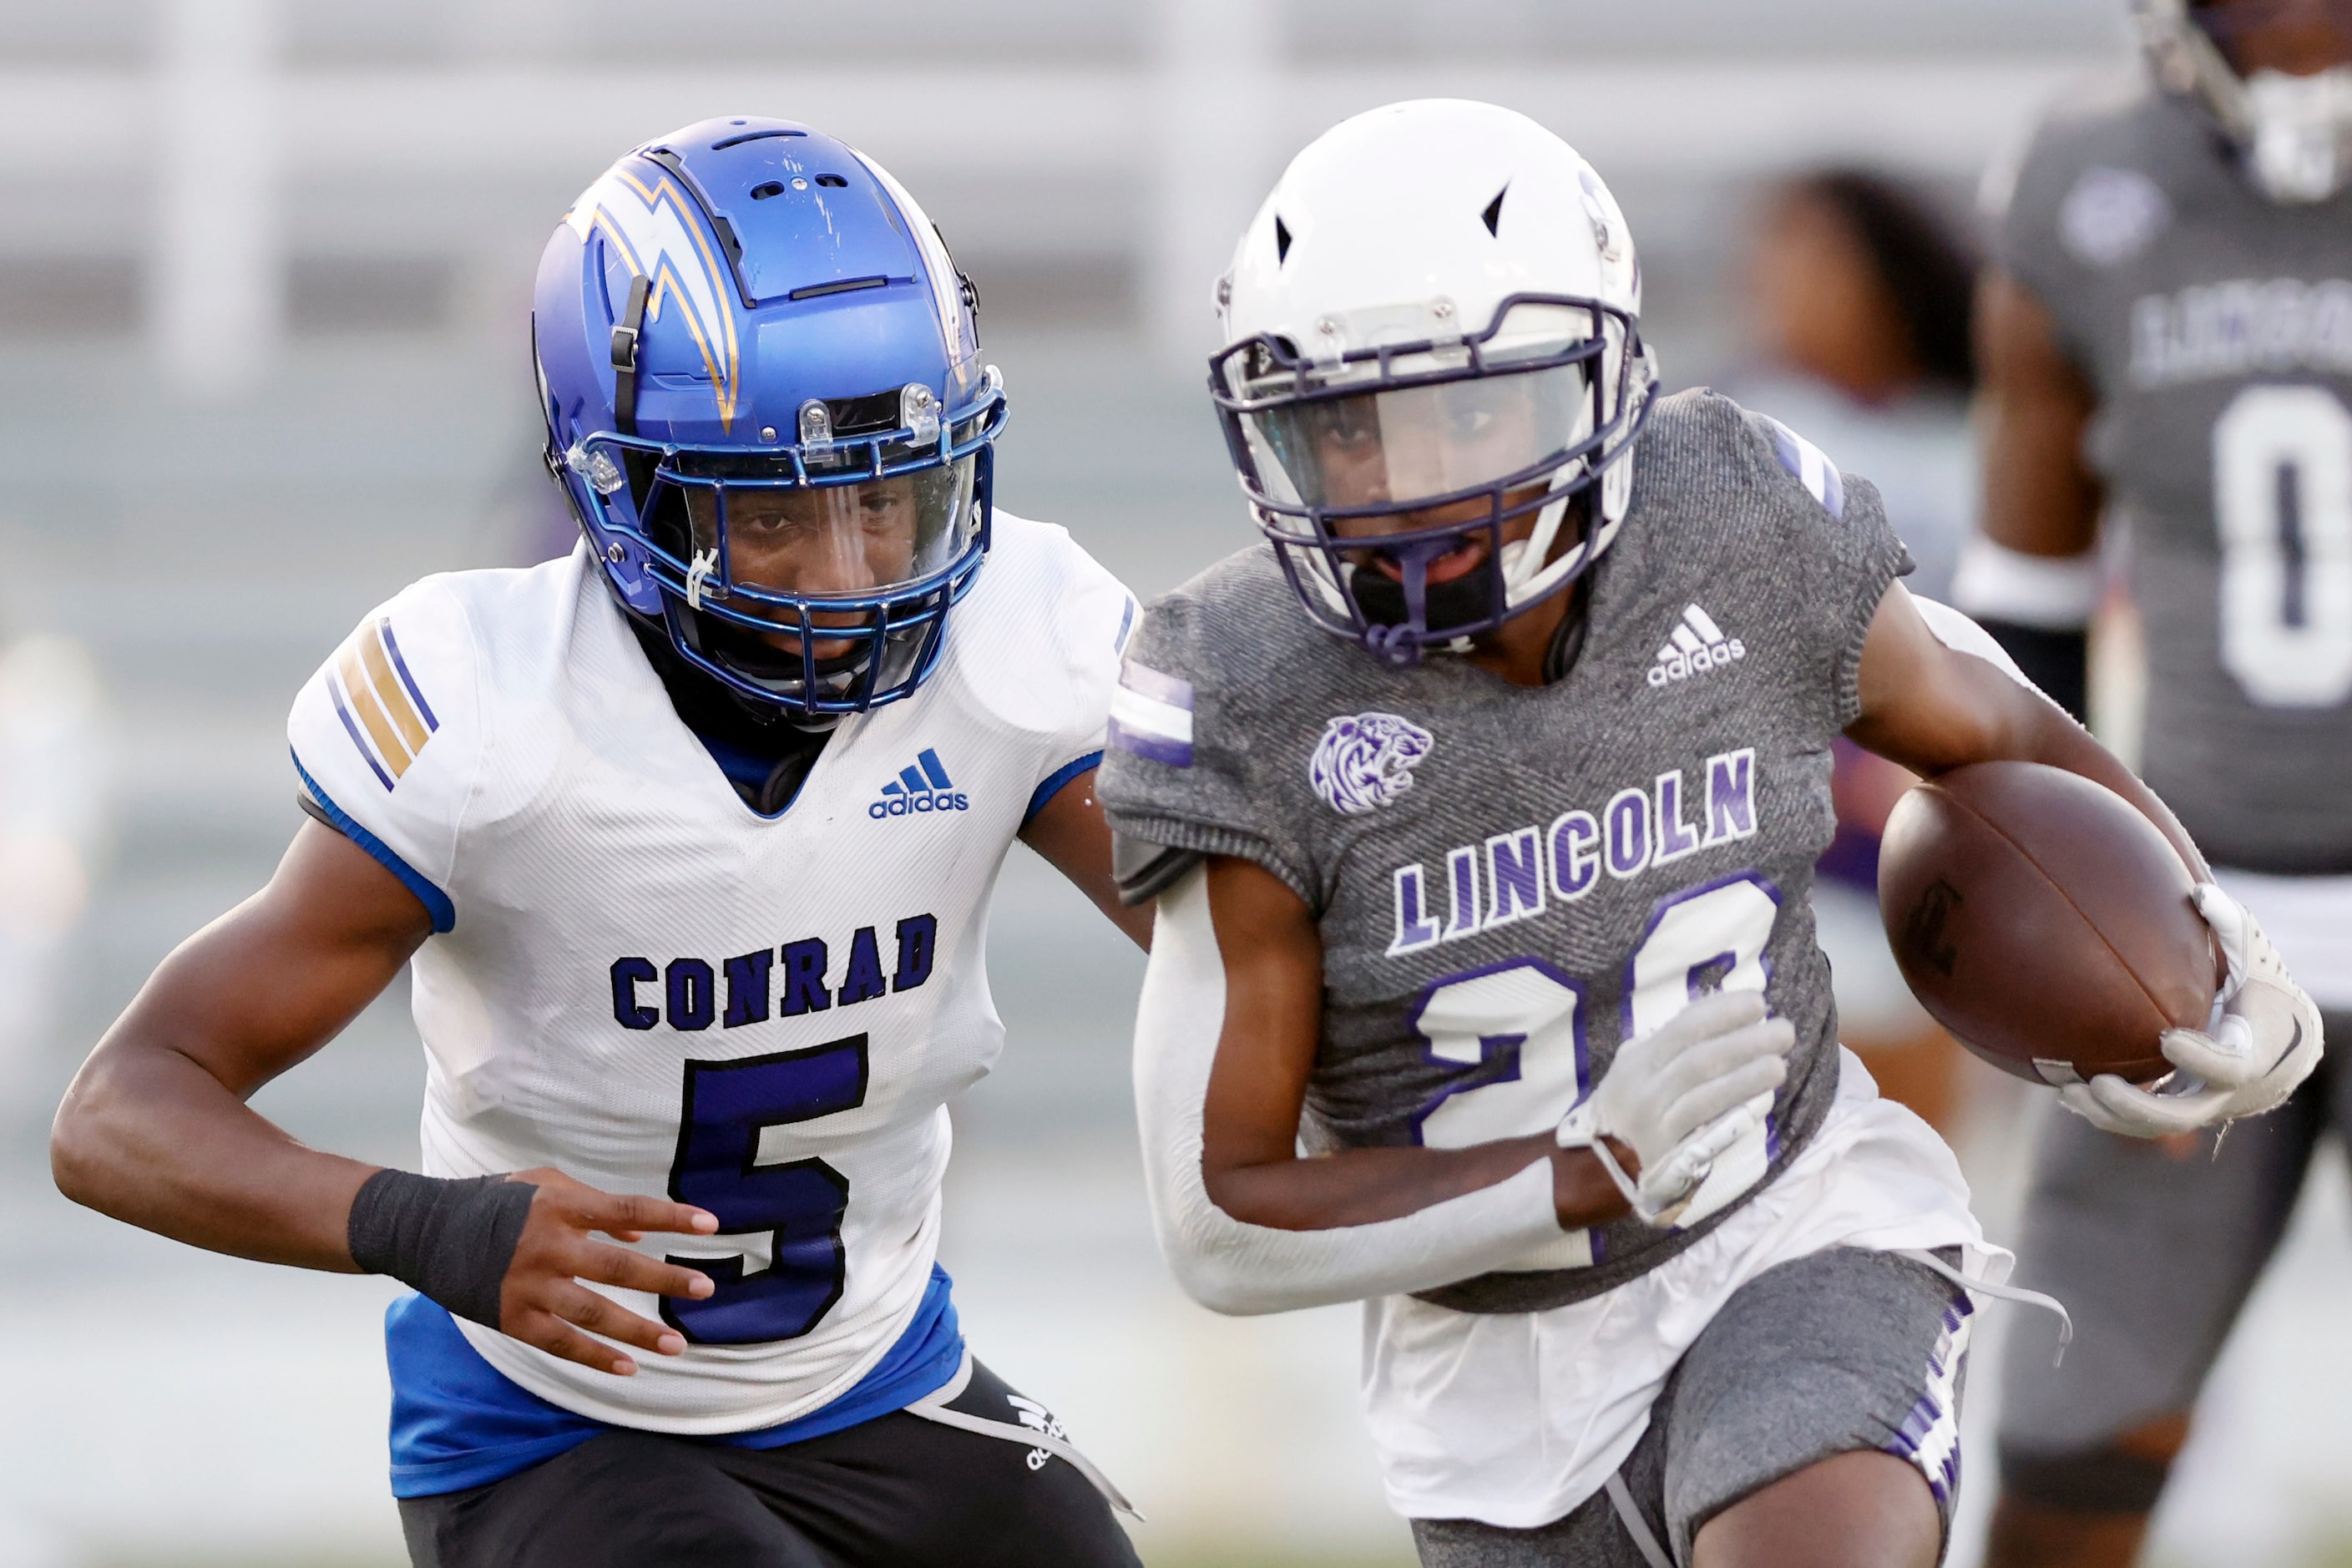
[(636, 979)]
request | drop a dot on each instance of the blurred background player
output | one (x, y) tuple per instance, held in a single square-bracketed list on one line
[(1859, 288), (2166, 341), (691, 834)]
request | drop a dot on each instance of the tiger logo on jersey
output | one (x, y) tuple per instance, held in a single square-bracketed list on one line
[(1366, 760)]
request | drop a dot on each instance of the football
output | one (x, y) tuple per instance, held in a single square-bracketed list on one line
[(2044, 922)]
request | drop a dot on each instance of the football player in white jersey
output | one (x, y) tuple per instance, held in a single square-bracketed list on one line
[(690, 838)]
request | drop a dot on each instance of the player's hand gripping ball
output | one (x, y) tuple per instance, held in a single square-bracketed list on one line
[(2262, 1040)]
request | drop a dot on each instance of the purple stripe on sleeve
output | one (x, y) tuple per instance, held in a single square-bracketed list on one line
[(352, 727), (1152, 748), (392, 645)]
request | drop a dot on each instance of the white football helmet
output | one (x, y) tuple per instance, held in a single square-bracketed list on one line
[(1432, 331), (2294, 132)]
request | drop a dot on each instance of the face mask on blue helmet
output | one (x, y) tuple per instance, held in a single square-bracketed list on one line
[(761, 377)]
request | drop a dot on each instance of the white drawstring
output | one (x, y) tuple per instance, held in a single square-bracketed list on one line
[(1646, 1542), (935, 1407), (2000, 1293)]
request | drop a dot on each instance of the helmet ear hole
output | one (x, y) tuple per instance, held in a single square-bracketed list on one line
[(1281, 240), (1492, 217), (639, 466), (667, 525)]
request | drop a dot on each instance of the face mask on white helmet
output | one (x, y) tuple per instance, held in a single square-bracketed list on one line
[(2293, 132), (1434, 375)]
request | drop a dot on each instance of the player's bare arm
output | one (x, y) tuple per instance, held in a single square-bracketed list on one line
[(1265, 1053), (155, 1130), (1932, 708), (1070, 832)]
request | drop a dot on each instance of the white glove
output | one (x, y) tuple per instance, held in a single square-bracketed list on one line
[(1681, 1095), (2262, 1040)]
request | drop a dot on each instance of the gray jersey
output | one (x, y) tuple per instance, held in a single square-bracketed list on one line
[(1510, 881), (2216, 328)]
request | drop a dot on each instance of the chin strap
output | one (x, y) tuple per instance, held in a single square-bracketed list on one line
[(1400, 646), (1569, 641), (1395, 647), (1524, 582)]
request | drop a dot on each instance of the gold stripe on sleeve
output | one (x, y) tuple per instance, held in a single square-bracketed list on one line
[(370, 715), (389, 690)]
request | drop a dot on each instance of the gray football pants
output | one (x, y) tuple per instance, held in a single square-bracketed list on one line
[(2153, 1255), (1843, 1351)]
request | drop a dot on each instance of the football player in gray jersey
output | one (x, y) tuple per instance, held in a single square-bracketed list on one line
[(2166, 337), (1481, 803)]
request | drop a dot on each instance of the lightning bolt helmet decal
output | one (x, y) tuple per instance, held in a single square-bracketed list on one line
[(660, 234)]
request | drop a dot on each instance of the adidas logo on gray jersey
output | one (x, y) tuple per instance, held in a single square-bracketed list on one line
[(1698, 646)]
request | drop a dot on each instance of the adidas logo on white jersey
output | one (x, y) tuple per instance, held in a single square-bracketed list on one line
[(1698, 646), (922, 787)]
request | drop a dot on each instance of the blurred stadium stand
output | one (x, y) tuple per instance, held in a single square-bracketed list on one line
[(268, 167)]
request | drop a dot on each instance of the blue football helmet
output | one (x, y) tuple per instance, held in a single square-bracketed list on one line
[(761, 381)]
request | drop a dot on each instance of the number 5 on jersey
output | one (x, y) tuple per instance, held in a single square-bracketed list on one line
[(781, 1221)]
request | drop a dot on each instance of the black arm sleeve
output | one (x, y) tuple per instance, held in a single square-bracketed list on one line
[(2057, 661), (450, 1241)]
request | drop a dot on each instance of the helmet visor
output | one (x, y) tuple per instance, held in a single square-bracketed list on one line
[(760, 538), (1377, 449)]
